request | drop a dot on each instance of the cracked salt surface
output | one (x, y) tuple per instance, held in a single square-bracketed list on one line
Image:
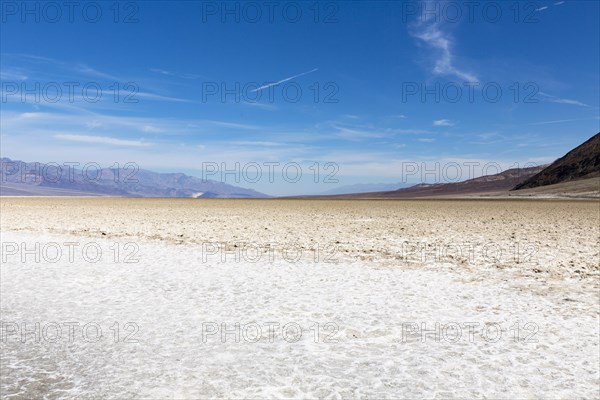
[(367, 347)]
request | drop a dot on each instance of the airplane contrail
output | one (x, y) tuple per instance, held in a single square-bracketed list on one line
[(284, 80)]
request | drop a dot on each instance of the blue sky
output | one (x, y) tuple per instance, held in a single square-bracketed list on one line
[(349, 87)]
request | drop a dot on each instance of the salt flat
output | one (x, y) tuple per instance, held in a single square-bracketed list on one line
[(403, 299)]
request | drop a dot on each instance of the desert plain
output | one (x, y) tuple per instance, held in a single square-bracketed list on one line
[(290, 298)]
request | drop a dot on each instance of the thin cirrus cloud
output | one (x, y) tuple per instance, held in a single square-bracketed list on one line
[(234, 125), (443, 122), (12, 75), (262, 106), (554, 99), (558, 3), (360, 132), (283, 80), (160, 71), (432, 35), (29, 68), (89, 71), (57, 66), (260, 143), (158, 97), (354, 134), (557, 121), (14, 122), (174, 74), (102, 140)]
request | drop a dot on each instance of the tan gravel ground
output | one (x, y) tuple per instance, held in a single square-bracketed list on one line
[(546, 239)]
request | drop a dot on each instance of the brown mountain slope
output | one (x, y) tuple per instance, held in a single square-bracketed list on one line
[(503, 181), (582, 189), (580, 163)]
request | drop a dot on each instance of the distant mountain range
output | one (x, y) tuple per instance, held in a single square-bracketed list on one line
[(583, 162), (366, 188), (575, 174), (18, 178), (503, 181)]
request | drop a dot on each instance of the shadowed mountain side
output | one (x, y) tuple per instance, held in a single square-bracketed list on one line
[(582, 162), (580, 188)]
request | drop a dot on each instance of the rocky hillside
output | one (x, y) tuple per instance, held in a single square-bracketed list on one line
[(580, 163)]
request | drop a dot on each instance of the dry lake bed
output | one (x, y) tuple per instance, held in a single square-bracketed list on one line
[(190, 298)]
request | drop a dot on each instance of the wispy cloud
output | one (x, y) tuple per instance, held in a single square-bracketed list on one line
[(102, 140), (31, 63), (233, 125), (160, 71), (49, 123), (558, 3), (554, 99), (262, 106), (284, 80), (358, 133), (443, 122), (261, 143), (487, 138), (426, 140), (569, 101), (557, 121), (158, 97), (431, 34), (152, 129), (89, 71), (12, 75), (48, 69), (354, 134), (93, 124), (411, 131), (174, 74)]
